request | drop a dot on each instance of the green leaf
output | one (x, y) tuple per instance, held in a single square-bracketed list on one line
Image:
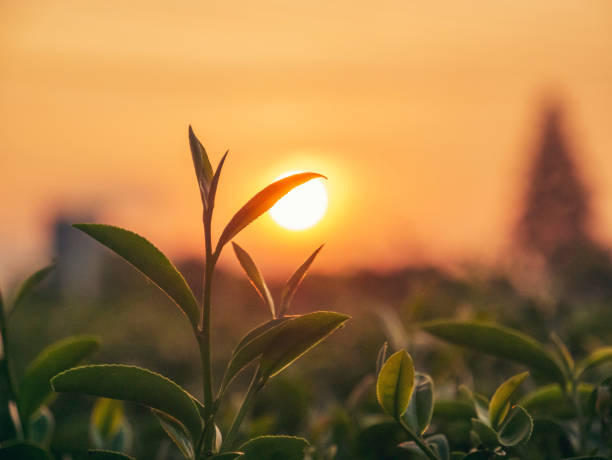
[(296, 337), (131, 383), (274, 448), (42, 424), (486, 434), (516, 429), (260, 203), (499, 341), (29, 285), (500, 402), (201, 164), (479, 403), (453, 410), (255, 277), (420, 409), (439, 445), (550, 400), (251, 347), (99, 454), (564, 354), (294, 282), (109, 429), (597, 357), (176, 431), (35, 389), (395, 384), (23, 451), (214, 184), (150, 261)]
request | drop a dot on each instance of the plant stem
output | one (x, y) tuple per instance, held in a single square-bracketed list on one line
[(204, 339), (418, 441), (257, 384), (579, 414)]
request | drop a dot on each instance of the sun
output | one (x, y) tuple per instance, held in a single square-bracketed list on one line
[(302, 207)]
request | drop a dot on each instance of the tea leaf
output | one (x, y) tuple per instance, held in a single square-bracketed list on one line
[(99, 454), (420, 409), (516, 429), (212, 194), (201, 164), (381, 357), (29, 285), (274, 448), (294, 282), (255, 277), (251, 347), (599, 356), (23, 451), (176, 431), (106, 420), (499, 341), (453, 409), (395, 384), (500, 402), (35, 389), (439, 444), (150, 261), (551, 400), (131, 383), (260, 203), (564, 355), (296, 337)]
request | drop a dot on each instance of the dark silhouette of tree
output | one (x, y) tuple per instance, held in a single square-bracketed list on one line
[(556, 213)]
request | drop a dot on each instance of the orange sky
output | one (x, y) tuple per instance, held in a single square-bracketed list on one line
[(420, 113)]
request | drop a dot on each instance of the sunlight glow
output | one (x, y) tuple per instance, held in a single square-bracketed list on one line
[(302, 207)]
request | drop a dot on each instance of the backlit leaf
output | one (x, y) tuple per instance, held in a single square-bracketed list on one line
[(395, 384), (260, 203), (294, 282), (29, 285), (296, 337), (439, 444), (550, 400), (597, 357), (176, 431), (255, 277), (201, 164), (517, 427), (420, 410), (150, 261), (42, 424), (499, 404), (274, 448), (34, 388), (131, 383), (486, 434), (499, 341)]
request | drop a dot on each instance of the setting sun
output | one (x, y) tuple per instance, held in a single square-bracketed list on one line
[(302, 207)]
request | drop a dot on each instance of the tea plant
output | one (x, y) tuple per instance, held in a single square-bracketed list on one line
[(271, 347), (26, 423), (576, 410)]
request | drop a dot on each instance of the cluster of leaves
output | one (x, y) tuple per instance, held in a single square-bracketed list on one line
[(190, 423)]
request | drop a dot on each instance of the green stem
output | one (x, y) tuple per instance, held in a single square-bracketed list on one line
[(256, 385), (418, 441), (579, 414)]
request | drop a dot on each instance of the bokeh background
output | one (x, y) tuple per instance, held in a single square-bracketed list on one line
[(467, 146)]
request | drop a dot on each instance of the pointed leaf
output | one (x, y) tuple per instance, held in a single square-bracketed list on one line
[(395, 384), (201, 164), (131, 383), (23, 451), (150, 261), (420, 409), (564, 354), (499, 341), (29, 285), (251, 347), (99, 454), (260, 203), (294, 282), (274, 448), (517, 427), (479, 402), (499, 404), (255, 277), (296, 337), (176, 431), (106, 420), (597, 357), (212, 194), (35, 389)]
